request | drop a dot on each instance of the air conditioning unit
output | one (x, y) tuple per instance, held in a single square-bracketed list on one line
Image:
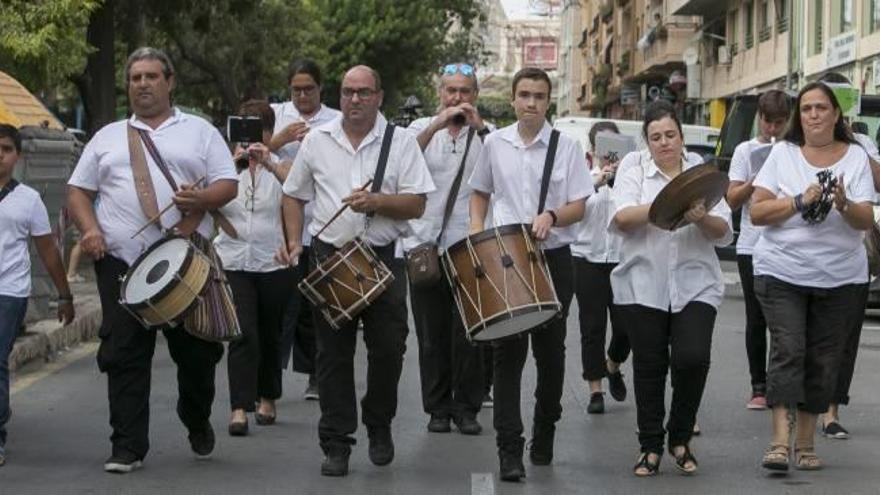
[(723, 55)]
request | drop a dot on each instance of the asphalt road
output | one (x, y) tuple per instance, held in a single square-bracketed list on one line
[(59, 438)]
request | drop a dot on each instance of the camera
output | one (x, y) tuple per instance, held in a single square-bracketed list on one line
[(244, 131)]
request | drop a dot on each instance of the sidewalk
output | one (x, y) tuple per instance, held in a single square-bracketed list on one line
[(43, 339)]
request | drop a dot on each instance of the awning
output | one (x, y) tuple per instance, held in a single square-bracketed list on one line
[(19, 107)]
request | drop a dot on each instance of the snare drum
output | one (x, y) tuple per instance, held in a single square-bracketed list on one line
[(165, 282), (344, 284), (500, 282)]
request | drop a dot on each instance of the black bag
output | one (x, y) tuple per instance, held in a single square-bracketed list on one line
[(423, 261)]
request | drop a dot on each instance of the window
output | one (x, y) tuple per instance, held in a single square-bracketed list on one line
[(732, 33), (874, 16), (846, 16), (749, 21), (817, 26), (766, 26), (782, 16)]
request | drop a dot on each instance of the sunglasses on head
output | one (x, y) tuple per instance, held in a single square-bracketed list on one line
[(463, 69)]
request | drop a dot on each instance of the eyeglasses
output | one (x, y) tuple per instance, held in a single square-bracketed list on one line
[(463, 69), (362, 93), (303, 91)]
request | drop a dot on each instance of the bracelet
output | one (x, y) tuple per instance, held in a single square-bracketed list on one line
[(799, 202), (553, 214)]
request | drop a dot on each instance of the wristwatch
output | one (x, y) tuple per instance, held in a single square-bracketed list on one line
[(484, 131)]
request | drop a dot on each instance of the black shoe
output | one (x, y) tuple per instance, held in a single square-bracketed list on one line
[(597, 403), (264, 419), (468, 425), (122, 463), (616, 386), (541, 449), (238, 429), (510, 458), (202, 441), (439, 424), (335, 461), (381, 445), (835, 430)]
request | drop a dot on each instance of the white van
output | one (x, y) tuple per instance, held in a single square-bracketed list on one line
[(698, 138)]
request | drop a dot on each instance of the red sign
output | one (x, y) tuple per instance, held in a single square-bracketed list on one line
[(539, 52)]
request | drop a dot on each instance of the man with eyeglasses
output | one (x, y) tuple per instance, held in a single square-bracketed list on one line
[(449, 365), (293, 119), (330, 170), (509, 174)]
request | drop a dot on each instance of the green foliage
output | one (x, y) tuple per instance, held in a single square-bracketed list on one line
[(43, 42)]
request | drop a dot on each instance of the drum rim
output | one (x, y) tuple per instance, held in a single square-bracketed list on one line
[(703, 170), (508, 315), (168, 288), (489, 233)]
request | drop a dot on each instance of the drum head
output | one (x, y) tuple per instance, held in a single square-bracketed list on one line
[(155, 270), (700, 182), (506, 326)]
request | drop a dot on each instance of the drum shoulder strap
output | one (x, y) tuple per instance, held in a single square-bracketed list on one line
[(8, 188), (379, 176), (456, 185), (143, 182), (548, 169)]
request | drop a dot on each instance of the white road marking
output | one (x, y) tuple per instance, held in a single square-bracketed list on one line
[(482, 484), (25, 380)]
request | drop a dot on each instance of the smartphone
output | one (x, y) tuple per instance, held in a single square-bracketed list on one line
[(244, 130)]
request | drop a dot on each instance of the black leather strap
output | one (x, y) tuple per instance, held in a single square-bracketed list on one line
[(379, 176), (548, 169), (456, 185), (8, 188)]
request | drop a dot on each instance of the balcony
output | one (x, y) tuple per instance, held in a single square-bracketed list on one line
[(765, 33), (664, 55), (707, 8)]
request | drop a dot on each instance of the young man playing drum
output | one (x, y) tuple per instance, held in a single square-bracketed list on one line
[(103, 201), (509, 173), (22, 217), (449, 365), (330, 170)]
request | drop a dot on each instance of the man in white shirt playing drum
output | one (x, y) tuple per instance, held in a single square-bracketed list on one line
[(333, 163), (449, 365), (293, 119), (509, 174), (103, 201)]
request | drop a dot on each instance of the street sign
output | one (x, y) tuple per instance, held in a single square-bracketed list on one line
[(630, 94), (841, 50)]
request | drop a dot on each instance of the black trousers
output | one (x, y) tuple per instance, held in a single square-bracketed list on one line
[(385, 331), (850, 348), (592, 287), (125, 355), (488, 360), (663, 342), (808, 328), (548, 348), (254, 360), (449, 364), (756, 325), (298, 345)]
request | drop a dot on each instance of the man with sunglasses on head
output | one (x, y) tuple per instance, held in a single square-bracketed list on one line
[(449, 365), (330, 170), (293, 119)]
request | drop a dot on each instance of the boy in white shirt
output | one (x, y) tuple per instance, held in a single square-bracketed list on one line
[(22, 217)]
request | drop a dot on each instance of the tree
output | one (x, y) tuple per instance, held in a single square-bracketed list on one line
[(42, 43)]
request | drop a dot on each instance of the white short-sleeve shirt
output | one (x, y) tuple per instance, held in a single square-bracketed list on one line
[(255, 213), (740, 170), (327, 169), (594, 242), (286, 114), (827, 254), (443, 156), (511, 172), (22, 216), (658, 268), (191, 148)]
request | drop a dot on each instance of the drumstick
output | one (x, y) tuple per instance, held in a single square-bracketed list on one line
[(159, 215), (341, 210)]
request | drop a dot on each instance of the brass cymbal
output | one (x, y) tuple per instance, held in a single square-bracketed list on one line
[(704, 182)]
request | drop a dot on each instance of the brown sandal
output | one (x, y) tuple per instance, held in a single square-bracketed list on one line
[(806, 459), (776, 457)]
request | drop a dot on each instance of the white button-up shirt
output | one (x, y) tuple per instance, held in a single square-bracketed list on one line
[(22, 216), (511, 172), (256, 215), (443, 156), (286, 114), (661, 269), (327, 169), (594, 242), (192, 149), (740, 170)]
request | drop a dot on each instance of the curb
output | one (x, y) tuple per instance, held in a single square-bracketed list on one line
[(45, 338)]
